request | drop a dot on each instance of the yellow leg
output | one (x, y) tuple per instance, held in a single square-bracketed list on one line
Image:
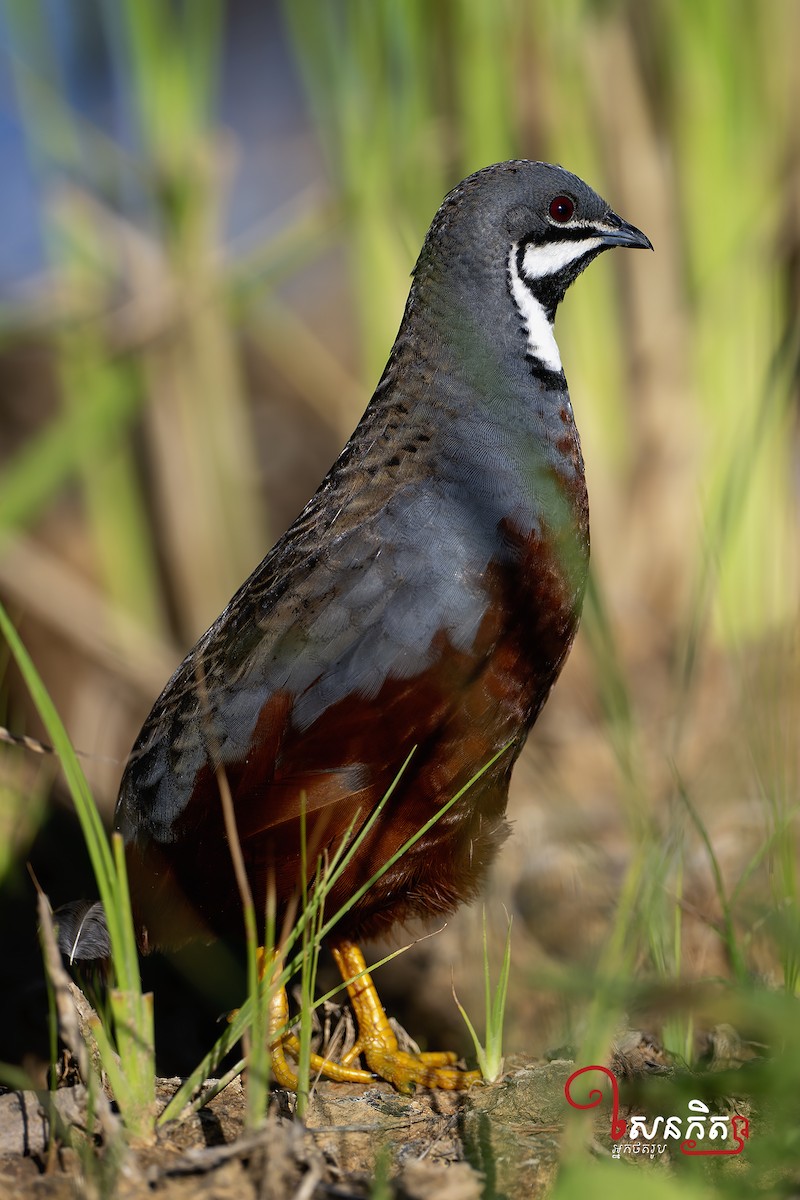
[(280, 1043), (377, 1040)]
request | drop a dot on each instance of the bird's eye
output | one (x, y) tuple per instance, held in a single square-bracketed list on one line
[(562, 208)]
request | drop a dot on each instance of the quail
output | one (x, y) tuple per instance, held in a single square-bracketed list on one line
[(418, 611)]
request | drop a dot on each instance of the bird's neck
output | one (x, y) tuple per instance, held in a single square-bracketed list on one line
[(483, 376)]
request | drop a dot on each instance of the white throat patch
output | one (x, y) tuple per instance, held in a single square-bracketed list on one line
[(538, 261), (541, 339)]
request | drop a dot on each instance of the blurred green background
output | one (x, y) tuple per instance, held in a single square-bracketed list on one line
[(209, 216)]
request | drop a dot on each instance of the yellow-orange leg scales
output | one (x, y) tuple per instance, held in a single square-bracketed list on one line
[(376, 1040)]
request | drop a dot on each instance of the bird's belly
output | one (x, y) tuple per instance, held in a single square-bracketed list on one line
[(467, 706)]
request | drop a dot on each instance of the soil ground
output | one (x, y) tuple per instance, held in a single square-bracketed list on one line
[(500, 1139), (495, 1142)]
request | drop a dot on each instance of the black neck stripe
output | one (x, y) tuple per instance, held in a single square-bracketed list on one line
[(546, 376)]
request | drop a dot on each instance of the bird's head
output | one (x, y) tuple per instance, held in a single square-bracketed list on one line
[(531, 224)]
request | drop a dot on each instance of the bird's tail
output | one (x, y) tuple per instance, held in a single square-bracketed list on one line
[(83, 936)]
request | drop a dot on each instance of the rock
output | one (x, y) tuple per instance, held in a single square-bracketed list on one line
[(24, 1121), (504, 1133), (431, 1181)]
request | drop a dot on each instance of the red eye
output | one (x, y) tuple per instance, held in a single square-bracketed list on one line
[(562, 208)]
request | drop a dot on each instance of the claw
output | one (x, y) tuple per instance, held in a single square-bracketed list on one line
[(376, 1040), (280, 1043)]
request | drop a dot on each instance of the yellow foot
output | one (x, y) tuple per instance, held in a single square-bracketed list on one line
[(282, 1073), (377, 1040)]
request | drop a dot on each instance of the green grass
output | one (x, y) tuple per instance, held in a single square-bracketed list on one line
[(126, 1049), (489, 1052), (125, 1042), (299, 951)]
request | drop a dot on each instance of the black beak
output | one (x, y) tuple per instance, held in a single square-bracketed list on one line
[(616, 232)]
